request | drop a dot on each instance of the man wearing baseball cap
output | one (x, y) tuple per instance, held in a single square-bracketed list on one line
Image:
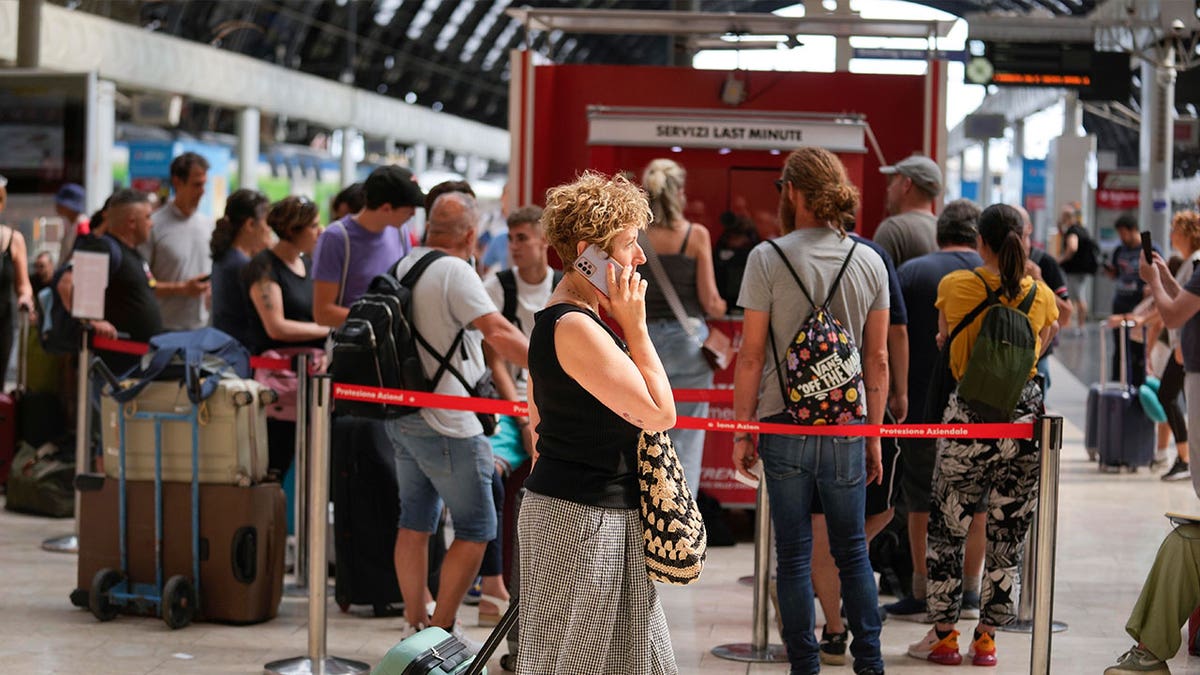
[(70, 205), (910, 231), (355, 249)]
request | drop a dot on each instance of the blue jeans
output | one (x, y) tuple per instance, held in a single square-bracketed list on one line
[(686, 369), (835, 468), (432, 468)]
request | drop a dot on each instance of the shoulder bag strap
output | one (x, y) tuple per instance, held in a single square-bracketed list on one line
[(686, 234), (1027, 303), (667, 288), (345, 264), (508, 283)]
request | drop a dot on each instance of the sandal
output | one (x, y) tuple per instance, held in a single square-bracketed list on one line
[(488, 619)]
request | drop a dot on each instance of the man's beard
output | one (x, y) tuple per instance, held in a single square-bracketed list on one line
[(787, 212)]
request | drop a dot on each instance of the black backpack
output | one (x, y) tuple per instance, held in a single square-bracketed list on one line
[(377, 347), (508, 283)]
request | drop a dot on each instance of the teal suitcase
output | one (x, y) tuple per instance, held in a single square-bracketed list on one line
[(433, 651)]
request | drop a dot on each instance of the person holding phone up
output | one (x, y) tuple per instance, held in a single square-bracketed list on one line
[(588, 605), (1128, 292)]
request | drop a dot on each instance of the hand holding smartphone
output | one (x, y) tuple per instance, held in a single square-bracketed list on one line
[(593, 265), (1147, 247)]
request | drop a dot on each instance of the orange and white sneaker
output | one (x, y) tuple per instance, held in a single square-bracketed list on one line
[(943, 651), (983, 651)]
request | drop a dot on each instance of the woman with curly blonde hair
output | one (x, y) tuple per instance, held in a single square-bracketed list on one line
[(588, 605)]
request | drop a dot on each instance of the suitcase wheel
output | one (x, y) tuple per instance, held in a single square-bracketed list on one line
[(1092, 454), (509, 663), (178, 602), (99, 602)]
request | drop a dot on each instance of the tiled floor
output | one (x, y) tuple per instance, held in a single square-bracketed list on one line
[(1109, 529)]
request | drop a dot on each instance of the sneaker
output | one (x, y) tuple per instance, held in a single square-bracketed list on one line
[(943, 651), (869, 671), (983, 651), (473, 646), (1178, 471), (833, 648), (474, 592), (970, 606), (908, 609), (1137, 660)]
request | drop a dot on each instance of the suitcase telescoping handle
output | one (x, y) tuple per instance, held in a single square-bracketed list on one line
[(22, 349), (498, 635), (99, 366)]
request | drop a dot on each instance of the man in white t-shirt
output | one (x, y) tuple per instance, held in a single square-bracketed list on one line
[(442, 456), (178, 251)]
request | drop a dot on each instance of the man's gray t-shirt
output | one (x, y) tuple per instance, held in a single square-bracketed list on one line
[(177, 251), (908, 235), (816, 255), (447, 297)]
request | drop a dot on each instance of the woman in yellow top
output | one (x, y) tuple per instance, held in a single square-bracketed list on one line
[(1003, 471)]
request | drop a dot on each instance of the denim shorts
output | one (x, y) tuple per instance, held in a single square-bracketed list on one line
[(432, 469)]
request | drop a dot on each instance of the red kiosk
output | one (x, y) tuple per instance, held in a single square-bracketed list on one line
[(568, 118)]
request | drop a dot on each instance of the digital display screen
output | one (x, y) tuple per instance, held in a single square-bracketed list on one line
[(43, 130)]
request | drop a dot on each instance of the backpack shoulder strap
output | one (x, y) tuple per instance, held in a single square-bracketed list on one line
[(410, 278), (1027, 303), (838, 280), (992, 297), (345, 263), (558, 277), (508, 283), (791, 269)]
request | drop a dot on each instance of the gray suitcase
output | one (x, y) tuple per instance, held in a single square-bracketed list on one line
[(233, 434)]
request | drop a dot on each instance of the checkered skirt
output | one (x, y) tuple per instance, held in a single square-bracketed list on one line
[(587, 604)]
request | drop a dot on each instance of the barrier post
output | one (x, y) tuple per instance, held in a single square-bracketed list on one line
[(300, 484), (759, 649), (83, 434), (1024, 622), (317, 661), (1049, 434)]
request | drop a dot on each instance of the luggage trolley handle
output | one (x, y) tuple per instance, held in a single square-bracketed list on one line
[(1124, 345), (99, 366)]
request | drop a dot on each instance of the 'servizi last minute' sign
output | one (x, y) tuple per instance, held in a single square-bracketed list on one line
[(664, 129)]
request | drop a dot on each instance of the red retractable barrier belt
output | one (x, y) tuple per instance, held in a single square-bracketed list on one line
[(417, 399), (139, 348)]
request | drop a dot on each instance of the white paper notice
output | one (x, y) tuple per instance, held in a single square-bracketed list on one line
[(90, 277)]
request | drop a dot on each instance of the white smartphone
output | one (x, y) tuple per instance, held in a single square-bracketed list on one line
[(593, 265)]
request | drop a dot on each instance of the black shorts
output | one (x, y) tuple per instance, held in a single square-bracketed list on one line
[(915, 482), (880, 496)]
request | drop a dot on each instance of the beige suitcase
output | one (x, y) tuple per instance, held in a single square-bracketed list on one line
[(233, 434)]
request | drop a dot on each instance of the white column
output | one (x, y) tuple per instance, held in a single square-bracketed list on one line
[(349, 135), (249, 121), (985, 176), (101, 134), (420, 161), (1156, 158)]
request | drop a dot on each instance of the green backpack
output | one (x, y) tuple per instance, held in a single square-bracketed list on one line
[(1005, 351)]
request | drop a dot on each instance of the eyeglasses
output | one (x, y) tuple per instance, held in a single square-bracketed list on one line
[(779, 185)]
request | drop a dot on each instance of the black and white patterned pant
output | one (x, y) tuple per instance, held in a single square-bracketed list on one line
[(1006, 471)]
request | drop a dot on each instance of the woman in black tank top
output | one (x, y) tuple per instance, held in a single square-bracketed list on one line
[(591, 393), (280, 293)]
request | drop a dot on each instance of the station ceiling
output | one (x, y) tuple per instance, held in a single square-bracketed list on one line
[(451, 55)]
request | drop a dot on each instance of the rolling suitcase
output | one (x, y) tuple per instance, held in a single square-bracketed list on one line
[(1125, 435), (233, 433), (366, 509), (433, 651), (242, 541), (9, 407), (1091, 432)]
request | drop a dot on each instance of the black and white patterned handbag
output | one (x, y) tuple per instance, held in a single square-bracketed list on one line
[(675, 540)]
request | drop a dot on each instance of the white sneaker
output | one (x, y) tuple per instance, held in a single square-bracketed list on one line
[(459, 634)]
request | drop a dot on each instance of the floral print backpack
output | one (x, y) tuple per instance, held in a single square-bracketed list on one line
[(822, 365)]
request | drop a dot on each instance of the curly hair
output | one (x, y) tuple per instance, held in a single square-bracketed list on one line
[(1188, 224), (663, 179), (819, 175), (291, 215), (595, 209)]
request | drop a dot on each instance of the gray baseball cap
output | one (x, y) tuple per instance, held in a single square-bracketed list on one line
[(920, 169)]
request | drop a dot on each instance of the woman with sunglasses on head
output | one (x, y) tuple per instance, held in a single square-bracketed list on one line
[(238, 236), (280, 287)]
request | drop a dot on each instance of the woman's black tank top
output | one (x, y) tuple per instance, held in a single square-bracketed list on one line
[(587, 453)]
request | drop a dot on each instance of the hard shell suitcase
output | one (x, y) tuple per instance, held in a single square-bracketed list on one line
[(1091, 432), (242, 541), (233, 434), (366, 510), (1126, 436), (9, 410), (433, 651)]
